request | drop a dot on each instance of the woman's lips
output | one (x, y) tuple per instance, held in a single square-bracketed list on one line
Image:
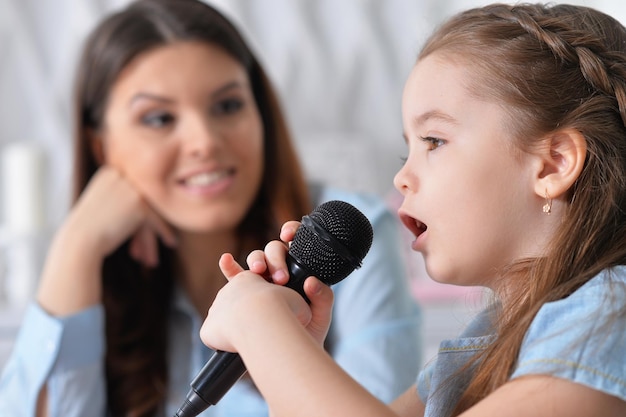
[(208, 182), (205, 179)]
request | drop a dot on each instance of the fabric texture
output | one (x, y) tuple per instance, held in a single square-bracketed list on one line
[(581, 338)]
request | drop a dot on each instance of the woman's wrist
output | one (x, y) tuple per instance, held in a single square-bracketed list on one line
[(71, 277)]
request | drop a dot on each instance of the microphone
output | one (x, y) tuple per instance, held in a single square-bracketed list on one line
[(330, 243)]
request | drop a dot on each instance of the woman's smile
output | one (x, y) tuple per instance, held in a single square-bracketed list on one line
[(209, 182)]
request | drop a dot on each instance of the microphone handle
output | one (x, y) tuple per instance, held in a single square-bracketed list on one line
[(220, 373), (223, 369), (297, 275), (215, 378)]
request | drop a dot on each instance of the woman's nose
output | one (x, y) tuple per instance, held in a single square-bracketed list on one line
[(201, 138)]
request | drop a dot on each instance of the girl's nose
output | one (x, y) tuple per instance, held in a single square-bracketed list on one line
[(404, 180)]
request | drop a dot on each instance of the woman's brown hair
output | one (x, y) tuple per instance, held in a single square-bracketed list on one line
[(137, 300), (551, 67)]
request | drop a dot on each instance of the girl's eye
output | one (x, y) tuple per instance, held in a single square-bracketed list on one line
[(403, 160), (228, 106), (157, 119), (433, 143)]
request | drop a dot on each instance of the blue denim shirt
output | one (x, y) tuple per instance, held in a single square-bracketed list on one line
[(375, 329), (581, 338)]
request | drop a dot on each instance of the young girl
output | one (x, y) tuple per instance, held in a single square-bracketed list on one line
[(179, 136), (515, 180)]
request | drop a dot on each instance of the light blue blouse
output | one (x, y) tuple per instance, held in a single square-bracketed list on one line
[(375, 332), (581, 338)]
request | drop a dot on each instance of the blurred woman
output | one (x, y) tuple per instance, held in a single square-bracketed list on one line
[(182, 154)]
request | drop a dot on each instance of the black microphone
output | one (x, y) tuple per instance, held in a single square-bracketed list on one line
[(330, 243)]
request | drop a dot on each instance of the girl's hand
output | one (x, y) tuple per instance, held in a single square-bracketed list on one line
[(249, 296), (273, 260), (272, 263)]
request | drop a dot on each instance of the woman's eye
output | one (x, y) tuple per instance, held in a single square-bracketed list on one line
[(157, 119), (403, 160), (228, 106), (433, 143)]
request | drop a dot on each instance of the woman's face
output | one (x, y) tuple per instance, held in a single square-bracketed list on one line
[(469, 198), (182, 126)]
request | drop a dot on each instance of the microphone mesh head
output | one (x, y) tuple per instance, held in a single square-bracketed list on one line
[(348, 226)]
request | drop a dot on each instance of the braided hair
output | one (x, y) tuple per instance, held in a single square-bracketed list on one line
[(551, 67)]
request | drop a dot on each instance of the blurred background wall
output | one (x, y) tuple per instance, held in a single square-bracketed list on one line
[(339, 66)]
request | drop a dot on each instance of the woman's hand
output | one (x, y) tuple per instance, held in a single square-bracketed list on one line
[(111, 210), (108, 212)]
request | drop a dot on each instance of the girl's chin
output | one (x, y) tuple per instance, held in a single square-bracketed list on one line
[(440, 275)]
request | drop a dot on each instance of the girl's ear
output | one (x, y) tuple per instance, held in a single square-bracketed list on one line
[(97, 146), (561, 161)]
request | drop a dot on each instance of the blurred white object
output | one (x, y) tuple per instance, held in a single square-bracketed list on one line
[(22, 172), (23, 166), (22, 269)]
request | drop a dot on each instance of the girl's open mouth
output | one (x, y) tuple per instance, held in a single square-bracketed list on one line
[(415, 226)]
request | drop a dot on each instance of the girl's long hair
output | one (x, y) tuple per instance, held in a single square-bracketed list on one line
[(552, 67), (137, 300)]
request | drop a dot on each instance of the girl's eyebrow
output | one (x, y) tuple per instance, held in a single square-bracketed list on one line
[(436, 115)]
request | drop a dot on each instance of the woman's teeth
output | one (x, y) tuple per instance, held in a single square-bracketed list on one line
[(206, 178)]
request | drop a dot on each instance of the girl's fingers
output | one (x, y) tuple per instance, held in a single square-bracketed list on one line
[(288, 230), (276, 260), (270, 262), (321, 297), (256, 262), (229, 266)]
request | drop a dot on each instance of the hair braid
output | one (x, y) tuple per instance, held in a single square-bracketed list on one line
[(603, 69), (618, 82)]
